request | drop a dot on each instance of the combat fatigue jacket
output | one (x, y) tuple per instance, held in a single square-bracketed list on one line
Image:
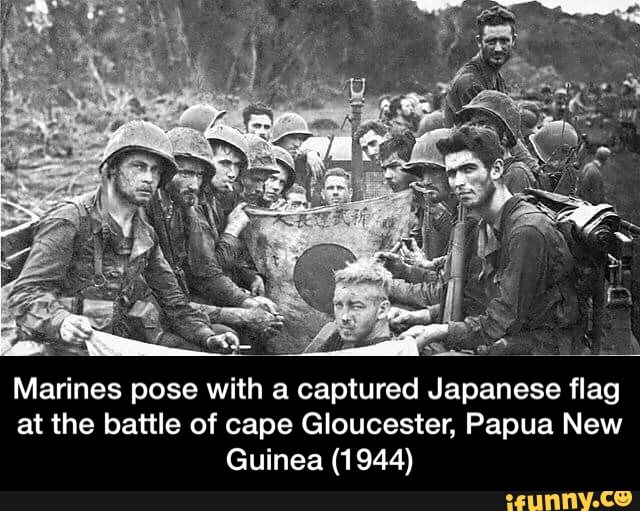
[(528, 276), (190, 242), (472, 78), (521, 169), (236, 264), (63, 260)]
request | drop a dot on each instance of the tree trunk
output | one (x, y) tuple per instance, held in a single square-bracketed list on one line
[(254, 63), (5, 12)]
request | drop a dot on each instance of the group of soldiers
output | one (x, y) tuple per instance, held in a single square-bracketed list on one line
[(156, 252)]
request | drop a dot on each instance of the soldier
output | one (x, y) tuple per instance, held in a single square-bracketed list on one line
[(384, 102), (277, 185), (296, 198), (560, 97), (190, 240), (230, 158), (499, 112), (528, 270), (591, 183), (496, 38), (289, 132), (394, 154), (262, 165), (336, 188), (258, 119), (419, 274), (89, 254), (439, 207), (370, 134), (360, 305), (201, 117), (402, 114)]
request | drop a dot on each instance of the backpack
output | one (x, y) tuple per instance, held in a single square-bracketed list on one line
[(590, 235)]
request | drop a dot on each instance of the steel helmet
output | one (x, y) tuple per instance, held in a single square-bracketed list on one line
[(497, 104), (285, 159), (200, 117), (425, 151), (551, 137), (431, 121), (261, 156), (142, 136), (230, 136), (528, 122), (289, 124), (192, 144)]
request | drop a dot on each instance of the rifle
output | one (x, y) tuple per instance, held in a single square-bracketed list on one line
[(161, 216), (455, 288)]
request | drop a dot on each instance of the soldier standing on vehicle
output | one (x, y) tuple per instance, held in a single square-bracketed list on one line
[(591, 182), (496, 39), (527, 268), (94, 249)]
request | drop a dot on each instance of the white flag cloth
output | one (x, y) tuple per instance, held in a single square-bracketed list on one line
[(298, 252), (103, 344)]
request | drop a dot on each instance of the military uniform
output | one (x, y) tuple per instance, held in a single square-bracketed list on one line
[(193, 246), (472, 78), (529, 279), (79, 252)]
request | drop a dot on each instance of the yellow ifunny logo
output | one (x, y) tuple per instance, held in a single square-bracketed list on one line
[(583, 501)]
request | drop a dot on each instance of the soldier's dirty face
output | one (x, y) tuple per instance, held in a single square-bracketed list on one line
[(184, 186), (260, 125), (471, 179), (274, 185), (394, 175), (292, 143), (496, 44), (358, 308), (434, 179), (370, 143), (407, 107), (137, 177), (296, 201), (253, 184), (227, 162), (336, 191)]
